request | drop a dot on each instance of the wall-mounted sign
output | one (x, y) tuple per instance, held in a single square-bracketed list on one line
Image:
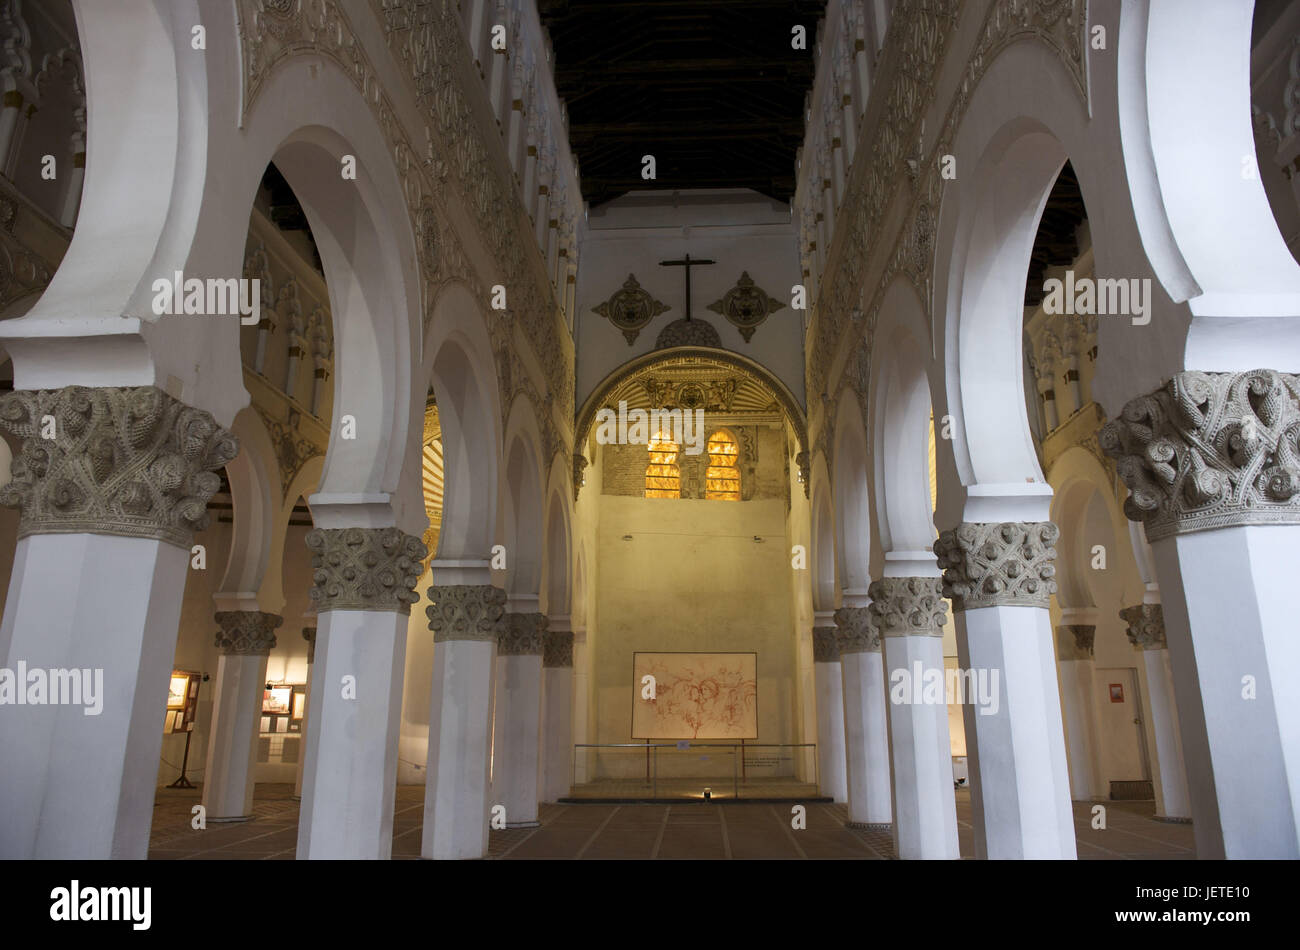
[(1116, 692)]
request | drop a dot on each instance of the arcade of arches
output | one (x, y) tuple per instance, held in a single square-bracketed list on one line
[(943, 470)]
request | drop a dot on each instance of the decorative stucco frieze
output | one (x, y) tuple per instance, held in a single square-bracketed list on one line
[(293, 446), (466, 612), (856, 631), (1074, 641), (364, 568), (523, 635), (1146, 626), (908, 606), (23, 269), (246, 632), (579, 473), (1210, 450), (997, 564), (847, 304), (557, 649), (826, 648), (134, 462), (447, 162)]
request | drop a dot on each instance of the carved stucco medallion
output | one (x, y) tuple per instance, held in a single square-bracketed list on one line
[(631, 308)]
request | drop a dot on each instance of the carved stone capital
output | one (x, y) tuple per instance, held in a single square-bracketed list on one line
[(1074, 641), (1210, 450), (1146, 626), (557, 649), (134, 462), (246, 632), (1007, 563), (309, 634), (826, 648), (466, 612), (856, 631), (908, 606), (523, 635), (365, 568)]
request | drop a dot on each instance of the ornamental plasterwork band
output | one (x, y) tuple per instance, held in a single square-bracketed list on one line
[(631, 308), (998, 564), (913, 56), (522, 636), (908, 606), (365, 568), (746, 306), (1146, 626), (1075, 641), (246, 632), (856, 631), (579, 473), (133, 462), (459, 165), (466, 612), (826, 647), (557, 650), (1210, 450)]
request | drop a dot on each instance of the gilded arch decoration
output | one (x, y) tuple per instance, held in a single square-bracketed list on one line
[(716, 390)]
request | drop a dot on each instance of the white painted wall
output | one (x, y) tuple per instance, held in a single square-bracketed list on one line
[(740, 229), (692, 579)]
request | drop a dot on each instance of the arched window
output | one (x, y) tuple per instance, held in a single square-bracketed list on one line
[(722, 480), (663, 476)]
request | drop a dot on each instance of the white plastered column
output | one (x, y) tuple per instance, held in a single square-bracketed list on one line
[(828, 680), (1078, 669), (581, 678), (909, 613), (1146, 631), (80, 785), (466, 616), (557, 710), (516, 746), (866, 721), (1209, 460), (365, 579), (1229, 610), (999, 577), (245, 640), (308, 634)]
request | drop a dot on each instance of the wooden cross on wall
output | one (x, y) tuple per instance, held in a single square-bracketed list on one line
[(687, 263)]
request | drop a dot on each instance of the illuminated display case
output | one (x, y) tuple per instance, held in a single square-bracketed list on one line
[(284, 705), (182, 700)]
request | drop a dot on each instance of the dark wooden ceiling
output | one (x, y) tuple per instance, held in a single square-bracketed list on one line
[(1056, 243), (711, 88)]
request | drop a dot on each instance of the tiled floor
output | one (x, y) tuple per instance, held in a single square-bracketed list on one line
[(692, 789), (687, 830)]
